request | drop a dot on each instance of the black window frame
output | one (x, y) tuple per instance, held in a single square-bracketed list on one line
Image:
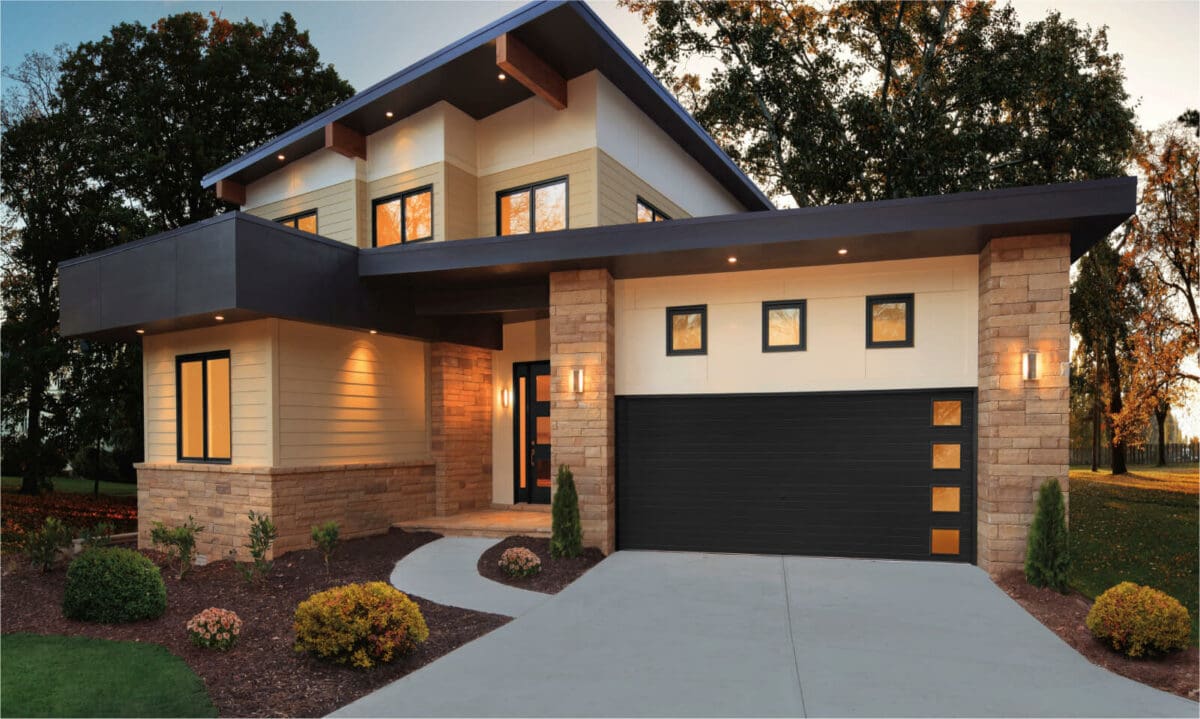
[(801, 305), (204, 357), (702, 310), (296, 217), (401, 196), (532, 189), (656, 214), (910, 312)]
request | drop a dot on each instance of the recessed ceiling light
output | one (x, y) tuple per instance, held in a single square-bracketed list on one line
[(374, 332), (281, 157), (732, 260), (389, 114), (843, 251), (219, 318), (502, 76), (141, 332)]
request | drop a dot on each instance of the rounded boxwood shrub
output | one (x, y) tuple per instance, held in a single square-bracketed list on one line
[(1137, 620), (359, 624), (113, 585)]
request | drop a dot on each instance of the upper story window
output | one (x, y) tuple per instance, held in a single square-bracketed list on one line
[(890, 321), (306, 221), (403, 217), (649, 213), (203, 407), (540, 207)]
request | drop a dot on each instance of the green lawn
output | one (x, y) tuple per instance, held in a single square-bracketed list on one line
[(79, 486), (1142, 527), (57, 676)]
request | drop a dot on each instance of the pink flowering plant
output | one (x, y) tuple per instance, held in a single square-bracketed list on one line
[(214, 628), (520, 562)]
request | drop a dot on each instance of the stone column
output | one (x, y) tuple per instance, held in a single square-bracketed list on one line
[(582, 428), (1023, 425), (460, 380)]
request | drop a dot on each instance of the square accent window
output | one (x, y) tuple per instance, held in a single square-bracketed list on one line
[(784, 326), (890, 321), (649, 213), (306, 221), (687, 330), (203, 412), (947, 413), (404, 217), (946, 499), (947, 456), (541, 207), (943, 541)]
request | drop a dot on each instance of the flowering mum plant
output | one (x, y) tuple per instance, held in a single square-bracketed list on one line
[(214, 628), (520, 562)]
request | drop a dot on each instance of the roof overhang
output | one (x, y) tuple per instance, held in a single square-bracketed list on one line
[(568, 36)]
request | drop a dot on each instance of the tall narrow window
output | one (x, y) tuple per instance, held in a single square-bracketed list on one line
[(533, 208), (649, 213), (890, 321), (687, 330), (202, 408), (404, 217), (306, 221), (783, 326)]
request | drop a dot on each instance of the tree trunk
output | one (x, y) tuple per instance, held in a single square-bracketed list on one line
[(1160, 414), (31, 480), (1096, 431), (1114, 405), (96, 478)]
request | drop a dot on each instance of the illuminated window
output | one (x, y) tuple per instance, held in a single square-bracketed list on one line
[(533, 208), (783, 326), (947, 413), (306, 221), (403, 217), (945, 499), (890, 321), (649, 213), (947, 456), (943, 541), (203, 411), (687, 330)]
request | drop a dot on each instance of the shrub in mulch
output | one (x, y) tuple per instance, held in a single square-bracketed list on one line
[(519, 562), (25, 513), (556, 572), (1066, 616), (215, 628), (1139, 621), (261, 675), (113, 585)]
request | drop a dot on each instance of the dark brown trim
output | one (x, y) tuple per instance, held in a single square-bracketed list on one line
[(203, 358), (232, 192), (802, 305), (401, 196), (344, 141), (687, 310), (910, 311), (532, 190), (531, 71)]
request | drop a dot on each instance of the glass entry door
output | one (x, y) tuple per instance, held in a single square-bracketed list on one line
[(531, 432)]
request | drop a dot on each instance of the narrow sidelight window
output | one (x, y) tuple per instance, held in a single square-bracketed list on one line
[(649, 213), (541, 207), (404, 217), (783, 326), (306, 221), (202, 407), (890, 321), (687, 330)]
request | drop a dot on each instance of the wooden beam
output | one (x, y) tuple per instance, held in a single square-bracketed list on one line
[(345, 141), (531, 71), (232, 192)]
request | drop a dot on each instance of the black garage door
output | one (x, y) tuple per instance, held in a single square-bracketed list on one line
[(829, 474)]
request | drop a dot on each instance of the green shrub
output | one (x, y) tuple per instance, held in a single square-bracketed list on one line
[(113, 585), (1047, 558), (1137, 620), (180, 543), (98, 536), (566, 533), (359, 624), (325, 536), (44, 546), (92, 463), (262, 536)]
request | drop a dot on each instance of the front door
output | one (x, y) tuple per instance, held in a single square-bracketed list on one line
[(531, 432)]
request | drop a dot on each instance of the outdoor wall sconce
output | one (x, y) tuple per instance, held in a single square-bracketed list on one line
[(577, 381), (1029, 365), (505, 397)]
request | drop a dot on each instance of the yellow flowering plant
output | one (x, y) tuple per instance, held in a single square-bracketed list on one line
[(359, 624)]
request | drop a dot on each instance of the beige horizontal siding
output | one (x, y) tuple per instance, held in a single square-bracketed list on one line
[(578, 167), (461, 191), (337, 212), (619, 189)]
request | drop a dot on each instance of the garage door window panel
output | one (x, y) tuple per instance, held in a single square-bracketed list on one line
[(946, 499), (944, 541), (947, 455), (890, 321), (784, 326), (687, 330), (947, 413)]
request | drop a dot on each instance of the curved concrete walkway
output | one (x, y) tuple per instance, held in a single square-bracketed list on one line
[(444, 571)]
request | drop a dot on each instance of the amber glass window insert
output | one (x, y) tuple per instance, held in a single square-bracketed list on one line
[(947, 456), (203, 407), (783, 326), (306, 221), (687, 329), (541, 207), (648, 213), (943, 541), (890, 321), (403, 217), (946, 499), (947, 413)]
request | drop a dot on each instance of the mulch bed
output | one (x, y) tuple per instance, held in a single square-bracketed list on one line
[(1064, 614), (261, 676), (556, 574)]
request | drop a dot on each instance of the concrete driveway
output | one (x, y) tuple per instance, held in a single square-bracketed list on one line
[(681, 634)]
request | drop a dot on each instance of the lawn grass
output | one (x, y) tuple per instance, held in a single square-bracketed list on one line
[(73, 485), (1141, 527), (58, 676)]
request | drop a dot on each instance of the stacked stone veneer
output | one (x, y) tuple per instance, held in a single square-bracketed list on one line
[(363, 498), (461, 414), (582, 425), (1023, 425)]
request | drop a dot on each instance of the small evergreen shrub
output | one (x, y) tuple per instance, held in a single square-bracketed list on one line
[(180, 543), (215, 629), (566, 533), (1047, 562), (98, 536), (325, 536), (1137, 620), (44, 546), (359, 624), (113, 585), (262, 536), (520, 562)]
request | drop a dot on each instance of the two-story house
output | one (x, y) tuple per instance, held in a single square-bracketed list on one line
[(520, 253)]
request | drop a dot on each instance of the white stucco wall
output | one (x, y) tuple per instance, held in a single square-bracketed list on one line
[(523, 342), (946, 330), (532, 131), (311, 172)]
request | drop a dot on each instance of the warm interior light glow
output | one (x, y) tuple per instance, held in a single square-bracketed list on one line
[(732, 260), (576, 381), (374, 332), (219, 318), (389, 114), (1029, 365), (505, 397), (141, 332), (281, 157), (502, 76), (843, 251)]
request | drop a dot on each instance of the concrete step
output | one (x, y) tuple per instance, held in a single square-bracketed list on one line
[(543, 508), (498, 523)]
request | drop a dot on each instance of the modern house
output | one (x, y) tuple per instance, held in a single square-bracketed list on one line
[(521, 252)]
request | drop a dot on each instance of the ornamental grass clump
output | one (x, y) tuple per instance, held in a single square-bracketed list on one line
[(1139, 621), (1047, 563), (215, 628), (359, 624), (520, 562)]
